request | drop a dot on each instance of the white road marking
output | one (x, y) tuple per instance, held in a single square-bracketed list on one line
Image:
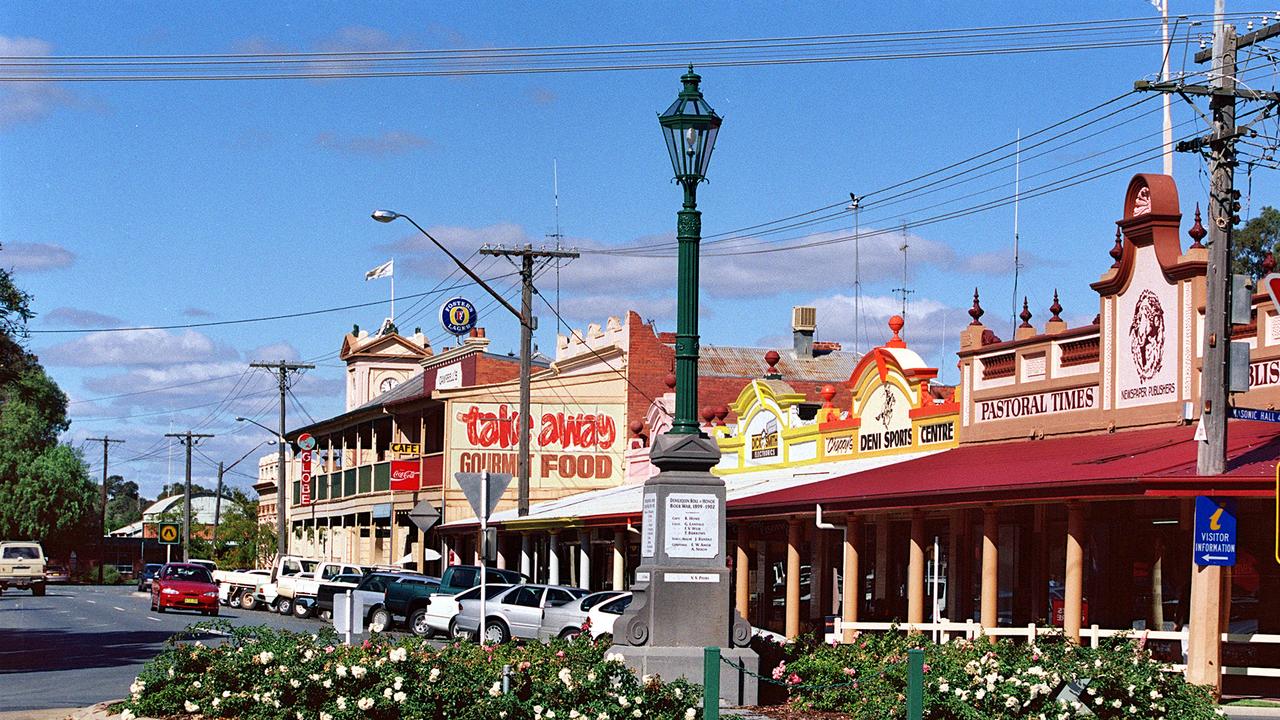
[(117, 608), (153, 619), (93, 602)]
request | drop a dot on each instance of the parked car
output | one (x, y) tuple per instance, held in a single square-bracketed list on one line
[(566, 620), (240, 592), (369, 596), (437, 617), (209, 565), (457, 578), (408, 601), (184, 586), (322, 603), (147, 575), (405, 585), (604, 615), (22, 566), (306, 587), (515, 613), (56, 575), (284, 571)]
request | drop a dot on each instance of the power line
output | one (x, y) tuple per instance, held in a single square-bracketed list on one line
[(264, 318)]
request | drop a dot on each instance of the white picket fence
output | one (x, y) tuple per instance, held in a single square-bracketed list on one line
[(944, 632)]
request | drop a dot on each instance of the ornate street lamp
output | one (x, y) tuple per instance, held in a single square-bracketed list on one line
[(680, 602), (690, 127)]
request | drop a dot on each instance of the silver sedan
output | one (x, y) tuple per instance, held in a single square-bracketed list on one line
[(516, 612)]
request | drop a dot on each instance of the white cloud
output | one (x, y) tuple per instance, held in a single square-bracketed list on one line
[(387, 144), (137, 348), (77, 317), (35, 257), (29, 101)]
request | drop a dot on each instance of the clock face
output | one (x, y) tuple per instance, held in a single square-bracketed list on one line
[(386, 385)]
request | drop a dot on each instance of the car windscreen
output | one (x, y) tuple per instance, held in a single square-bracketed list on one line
[(617, 606), (189, 574), (594, 599), (22, 552), (491, 591)]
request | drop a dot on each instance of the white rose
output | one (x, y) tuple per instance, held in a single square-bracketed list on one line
[(435, 673), (364, 703), (190, 706), (127, 714), (399, 697), (689, 714), (496, 689), (358, 672), (342, 703)]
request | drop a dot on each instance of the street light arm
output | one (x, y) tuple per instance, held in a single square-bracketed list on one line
[(470, 273), (251, 451), (278, 436)]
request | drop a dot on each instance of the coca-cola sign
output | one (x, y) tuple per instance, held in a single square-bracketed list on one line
[(406, 475)]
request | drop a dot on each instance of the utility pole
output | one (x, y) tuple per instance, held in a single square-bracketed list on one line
[(528, 323), (102, 541), (283, 369), (1204, 653), (217, 503), (189, 439)]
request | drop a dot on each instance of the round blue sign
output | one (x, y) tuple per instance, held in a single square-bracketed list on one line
[(458, 316)]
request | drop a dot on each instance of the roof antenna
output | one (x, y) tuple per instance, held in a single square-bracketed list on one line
[(854, 203), (555, 190), (1017, 265), (904, 289)]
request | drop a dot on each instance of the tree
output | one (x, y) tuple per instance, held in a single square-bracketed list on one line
[(178, 488), (45, 491), (124, 503), (242, 540), (1251, 244)]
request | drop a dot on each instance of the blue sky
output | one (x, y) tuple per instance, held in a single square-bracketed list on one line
[(170, 203)]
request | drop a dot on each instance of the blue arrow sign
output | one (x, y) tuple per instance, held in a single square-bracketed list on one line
[(1255, 414), (1214, 541)]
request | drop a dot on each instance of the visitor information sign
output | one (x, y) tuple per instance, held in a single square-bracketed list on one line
[(1214, 542)]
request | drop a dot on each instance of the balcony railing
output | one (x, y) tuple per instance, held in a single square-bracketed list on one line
[(364, 480)]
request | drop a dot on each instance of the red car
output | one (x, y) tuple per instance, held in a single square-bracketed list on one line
[(184, 586)]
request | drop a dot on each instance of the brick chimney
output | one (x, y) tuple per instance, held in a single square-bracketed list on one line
[(804, 320)]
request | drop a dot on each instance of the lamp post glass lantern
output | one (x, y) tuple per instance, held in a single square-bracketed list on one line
[(689, 127)]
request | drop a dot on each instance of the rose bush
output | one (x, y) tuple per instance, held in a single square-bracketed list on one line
[(979, 679), (263, 674)]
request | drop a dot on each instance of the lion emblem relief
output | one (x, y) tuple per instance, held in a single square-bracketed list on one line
[(1146, 336)]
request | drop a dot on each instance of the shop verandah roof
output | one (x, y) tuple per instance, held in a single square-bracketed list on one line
[(1159, 462)]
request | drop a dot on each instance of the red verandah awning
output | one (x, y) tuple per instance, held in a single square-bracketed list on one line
[(1158, 462)]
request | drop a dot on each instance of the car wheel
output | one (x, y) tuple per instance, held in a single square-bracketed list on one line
[(570, 633), (213, 613), (284, 606), (495, 632), (326, 615), (159, 606), (37, 590), (248, 602), (418, 623), (379, 620), (301, 610), (456, 632)]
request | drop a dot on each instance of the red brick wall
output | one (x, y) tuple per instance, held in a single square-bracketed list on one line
[(491, 370)]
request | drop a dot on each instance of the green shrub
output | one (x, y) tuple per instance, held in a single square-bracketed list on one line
[(983, 680), (265, 674)]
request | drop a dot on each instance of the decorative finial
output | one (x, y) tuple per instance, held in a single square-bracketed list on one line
[(708, 414), (976, 311), (1025, 314), (1118, 250), (722, 412), (670, 381), (1197, 231), (636, 427), (1055, 308), (1268, 264), (828, 393), (895, 324), (772, 357)]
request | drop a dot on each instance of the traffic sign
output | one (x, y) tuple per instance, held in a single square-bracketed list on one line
[(306, 441), (472, 484), (1272, 284), (458, 316), (169, 533), (1255, 414), (424, 515), (1214, 539)]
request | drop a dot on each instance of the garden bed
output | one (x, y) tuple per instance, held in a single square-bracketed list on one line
[(265, 674)]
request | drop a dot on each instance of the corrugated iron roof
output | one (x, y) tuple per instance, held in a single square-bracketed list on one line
[(730, 361)]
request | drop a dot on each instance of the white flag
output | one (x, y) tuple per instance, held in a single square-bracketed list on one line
[(1159, 5), (386, 269)]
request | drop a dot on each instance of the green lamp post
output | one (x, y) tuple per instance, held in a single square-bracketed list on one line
[(689, 127), (680, 594)]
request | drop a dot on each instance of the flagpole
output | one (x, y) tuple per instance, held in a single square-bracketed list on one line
[(393, 295), (1164, 77)]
